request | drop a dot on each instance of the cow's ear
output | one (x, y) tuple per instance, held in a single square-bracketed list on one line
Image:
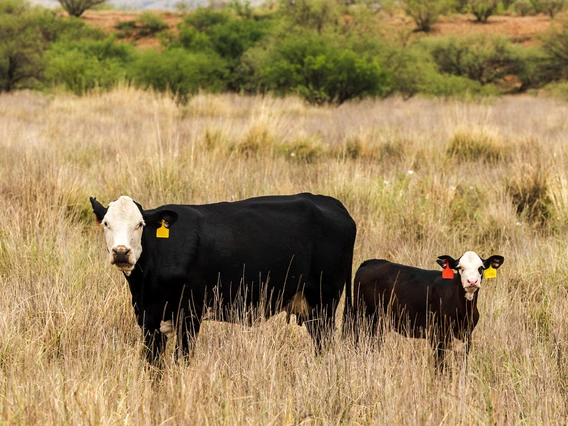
[(494, 261), (99, 210), (154, 218), (449, 260)]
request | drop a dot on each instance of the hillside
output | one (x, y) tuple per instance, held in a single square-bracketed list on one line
[(123, 4), (520, 29)]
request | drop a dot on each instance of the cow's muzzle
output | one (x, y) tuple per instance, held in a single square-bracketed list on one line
[(121, 258)]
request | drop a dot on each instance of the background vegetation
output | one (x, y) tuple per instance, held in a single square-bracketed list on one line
[(421, 178), (325, 51)]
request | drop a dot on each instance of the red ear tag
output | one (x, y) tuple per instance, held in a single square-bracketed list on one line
[(447, 273), (98, 222)]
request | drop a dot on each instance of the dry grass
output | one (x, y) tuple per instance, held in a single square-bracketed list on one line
[(69, 345)]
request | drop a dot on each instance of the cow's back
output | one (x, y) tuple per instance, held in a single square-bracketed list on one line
[(281, 242), (401, 291)]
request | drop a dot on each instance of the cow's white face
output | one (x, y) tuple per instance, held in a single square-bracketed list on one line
[(123, 225), (470, 267)]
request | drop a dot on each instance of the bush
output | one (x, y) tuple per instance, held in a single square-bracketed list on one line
[(317, 15), (147, 24), (555, 46), (229, 36), (530, 66), (524, 8), (85, 65), (150, 24), (550, 7), (179, 72), (410, 70), (20, 48), (483, 9), (426, 12), (203, 18), (482, 59), (319, 70)]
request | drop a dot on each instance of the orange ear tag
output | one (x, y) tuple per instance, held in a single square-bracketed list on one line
[(447, 273), (162, 231), (490, 272)]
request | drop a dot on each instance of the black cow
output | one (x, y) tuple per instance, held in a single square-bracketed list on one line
[(422, 303), (272, 253)]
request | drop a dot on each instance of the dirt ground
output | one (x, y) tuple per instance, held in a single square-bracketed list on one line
[(520, 29)]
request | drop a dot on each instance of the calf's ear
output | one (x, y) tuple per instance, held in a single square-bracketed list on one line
[(449, 260), (154, 218), (495, 261), (99, 210)]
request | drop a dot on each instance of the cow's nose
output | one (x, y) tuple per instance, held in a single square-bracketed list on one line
[(120, 254), (472, 281)]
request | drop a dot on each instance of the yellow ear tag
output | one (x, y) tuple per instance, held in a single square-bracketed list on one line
[(490, 272), (162, 231)]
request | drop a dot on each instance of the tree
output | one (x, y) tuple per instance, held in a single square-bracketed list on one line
[(425, 12), (77, 7), (483, 9), (20, 50), (551, 7)]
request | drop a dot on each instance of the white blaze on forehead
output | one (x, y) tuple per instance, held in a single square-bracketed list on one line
[(469, 268), (123, 226)]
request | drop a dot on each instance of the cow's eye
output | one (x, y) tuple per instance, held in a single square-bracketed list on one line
[(480, 270), (140, 225), (105, 223)]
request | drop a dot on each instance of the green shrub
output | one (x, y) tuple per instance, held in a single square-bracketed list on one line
[(126, 28), (84, 65), (482, 59), (226, 34), (203, 18), (426, 12), (179, 72), (555, 46), (150, 24), (483, 9), (147, 24), (530, 66), (524, 8), (190, 39), (550, 7), (320, 70), (318, 15)]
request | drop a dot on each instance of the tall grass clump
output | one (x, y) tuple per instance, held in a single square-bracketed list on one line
[(477, 145), (530, 192)]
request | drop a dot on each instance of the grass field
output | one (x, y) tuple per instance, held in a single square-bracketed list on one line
[(421, 178)]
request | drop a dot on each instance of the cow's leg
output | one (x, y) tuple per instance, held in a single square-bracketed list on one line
[(467, 344), (320, 325), (187, 335), (440, 344), (154, 342)]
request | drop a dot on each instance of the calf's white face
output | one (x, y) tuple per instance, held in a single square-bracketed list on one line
[(470, 267), (123, 225)]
